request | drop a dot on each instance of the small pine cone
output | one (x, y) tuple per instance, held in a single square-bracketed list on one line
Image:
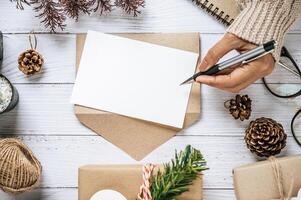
[(240, 107), (265, 137), (30, 62)]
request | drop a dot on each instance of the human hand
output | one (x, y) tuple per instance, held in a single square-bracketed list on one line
[(238, 77)]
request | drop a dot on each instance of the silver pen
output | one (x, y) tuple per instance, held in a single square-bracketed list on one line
[(246, 57)]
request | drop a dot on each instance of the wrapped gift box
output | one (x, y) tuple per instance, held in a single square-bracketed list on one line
[(125, 179), (257, 181)]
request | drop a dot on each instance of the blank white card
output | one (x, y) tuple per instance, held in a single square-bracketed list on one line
[(133, 78)]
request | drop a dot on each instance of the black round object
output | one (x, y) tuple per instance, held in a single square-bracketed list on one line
[(15, 96), (298, 140), (1, 48)]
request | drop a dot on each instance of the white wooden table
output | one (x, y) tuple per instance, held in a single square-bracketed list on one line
[(45, 121)]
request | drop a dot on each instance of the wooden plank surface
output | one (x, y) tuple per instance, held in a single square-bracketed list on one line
[(45, 109), (44, 117), (58, 52), (158, 16), (62, 155)]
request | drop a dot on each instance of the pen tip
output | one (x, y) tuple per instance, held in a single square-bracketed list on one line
[(183, 83)]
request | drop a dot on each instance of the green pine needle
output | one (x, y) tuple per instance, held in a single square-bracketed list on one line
[(178, 174)]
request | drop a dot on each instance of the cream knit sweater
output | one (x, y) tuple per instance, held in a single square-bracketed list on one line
[(263, 20)]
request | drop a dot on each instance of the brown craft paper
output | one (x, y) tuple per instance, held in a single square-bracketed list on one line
[(257, 181), (137, 137), (125, 179)]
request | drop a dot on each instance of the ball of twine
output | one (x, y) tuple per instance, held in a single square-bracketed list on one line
[(20, 170)]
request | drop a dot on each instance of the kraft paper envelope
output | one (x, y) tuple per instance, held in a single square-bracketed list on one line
[(137, 137)]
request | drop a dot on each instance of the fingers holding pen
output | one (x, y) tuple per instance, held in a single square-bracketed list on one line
[(221, 48), (241, 77), (237, 77)]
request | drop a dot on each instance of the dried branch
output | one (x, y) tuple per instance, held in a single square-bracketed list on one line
[(51, 13), (72, 8), (130, 6), (102, 5), (19, 3)]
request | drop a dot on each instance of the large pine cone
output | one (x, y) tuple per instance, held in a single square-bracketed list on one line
[(265, 137), (30, 62), (240, 107)]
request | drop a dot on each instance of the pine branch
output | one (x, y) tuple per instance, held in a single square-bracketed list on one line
[(178, 174), (51, 13), (19, 3), (102, 6), (130, 6), (73, 8)]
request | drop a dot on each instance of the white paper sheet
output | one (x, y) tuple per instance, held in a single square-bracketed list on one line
[(133, 78)]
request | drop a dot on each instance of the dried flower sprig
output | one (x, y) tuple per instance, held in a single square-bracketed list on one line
[(73, 8), (130, 6), (53, 13), (50, 12), (19, 3), (102, 6)]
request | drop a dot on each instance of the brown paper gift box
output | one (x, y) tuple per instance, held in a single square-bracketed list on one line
[(137, 137), (257, 182), (125, 179)]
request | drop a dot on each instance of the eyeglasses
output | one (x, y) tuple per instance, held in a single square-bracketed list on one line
[(290, 86)]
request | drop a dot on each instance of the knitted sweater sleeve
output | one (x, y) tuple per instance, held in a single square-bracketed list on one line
[(263, 20)]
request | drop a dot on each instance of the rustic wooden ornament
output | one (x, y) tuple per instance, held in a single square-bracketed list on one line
[(31, 61), (20, 171)]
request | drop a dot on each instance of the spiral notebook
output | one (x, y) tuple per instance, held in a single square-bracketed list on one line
[(224, 11)]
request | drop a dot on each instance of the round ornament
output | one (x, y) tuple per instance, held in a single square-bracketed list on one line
[(265, 137), (107, 195), (20, 170), (31, 61)]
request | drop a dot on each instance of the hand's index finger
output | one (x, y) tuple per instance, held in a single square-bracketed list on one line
[(214, 54)]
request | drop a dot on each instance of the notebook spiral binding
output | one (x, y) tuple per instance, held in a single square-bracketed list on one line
[(214, 11)]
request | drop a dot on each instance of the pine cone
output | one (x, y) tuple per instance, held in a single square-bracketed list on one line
[(240, 107), (30, 62), (265, 137)]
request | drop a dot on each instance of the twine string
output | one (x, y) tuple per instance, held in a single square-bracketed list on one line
[(144, 192), (277, 171), (33, 42), (20, 171)]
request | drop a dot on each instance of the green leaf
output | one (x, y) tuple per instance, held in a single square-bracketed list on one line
[(178, 174)]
